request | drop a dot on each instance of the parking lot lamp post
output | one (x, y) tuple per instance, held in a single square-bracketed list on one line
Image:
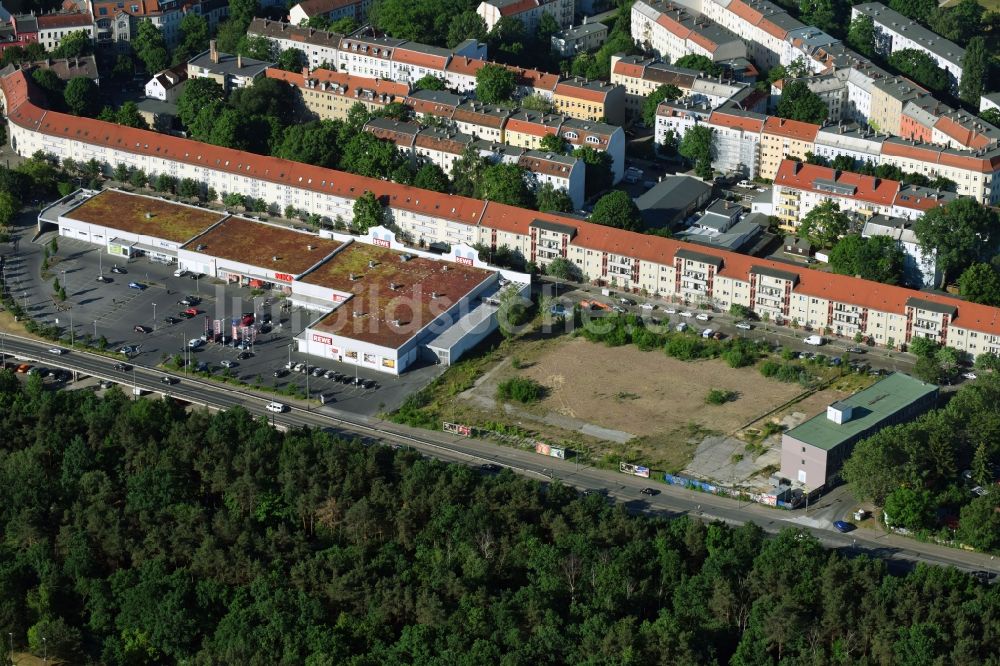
[(72, 329), (154, 316), (95, 329), (289, 355), (307, 385), (134, 385)]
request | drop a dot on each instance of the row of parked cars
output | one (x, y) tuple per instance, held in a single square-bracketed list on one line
[(332, 375)]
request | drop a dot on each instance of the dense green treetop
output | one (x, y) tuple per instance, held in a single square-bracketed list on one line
[(137, 532)]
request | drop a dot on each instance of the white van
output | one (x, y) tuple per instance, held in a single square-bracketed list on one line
[(275, 407), (815, 340), (180, 272)]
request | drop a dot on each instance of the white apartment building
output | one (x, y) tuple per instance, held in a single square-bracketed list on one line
[(671, 31), (529, 12), (884, 314), (895, 32)]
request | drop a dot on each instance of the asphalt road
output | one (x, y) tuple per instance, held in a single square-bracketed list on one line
[(669, 501)]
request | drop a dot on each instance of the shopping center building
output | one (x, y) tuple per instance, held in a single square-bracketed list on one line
[(374, 302)]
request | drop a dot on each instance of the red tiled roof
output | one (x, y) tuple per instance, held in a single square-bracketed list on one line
[(538, 164), (866, 188), (938, 155), (352, 82), (313, 8), (56, 21), (741, 122), (580, 90), (703, 41), (518, 7), (528, 126), (675, 28), (967, 136), (419, 58), (465, 65), (793, 129), (629, 69)]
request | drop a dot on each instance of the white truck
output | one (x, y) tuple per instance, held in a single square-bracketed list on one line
[(815, 340)]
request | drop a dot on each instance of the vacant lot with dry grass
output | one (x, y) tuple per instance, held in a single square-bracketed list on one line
[(646, 393)]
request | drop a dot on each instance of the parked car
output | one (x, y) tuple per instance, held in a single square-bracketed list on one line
[(671, 310), (626, 301), (246, 320), (280, 372), (707, 333), (718, 335), (681, 327), (226, 363), (650, 491), (201, 367), (744, 325), (139, 328), (195, 343), (180, 272), (170, 320), (814, 340), (192, 311), (856, 350), (24, 368), (745, 183), (103, 279), (136, 285), (648, 306), (244, 355), (969, 375), (686, 314), (558, 310), (299, 367), (318, 372), (701, 316), (842, 526), (330, 374), (117, 269)]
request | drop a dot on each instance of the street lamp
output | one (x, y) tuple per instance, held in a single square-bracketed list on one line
[(95, 330), (307, 384), (72, 328), (154, 316), (45, 650)]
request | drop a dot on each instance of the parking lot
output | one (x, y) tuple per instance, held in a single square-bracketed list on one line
[(147, 319)]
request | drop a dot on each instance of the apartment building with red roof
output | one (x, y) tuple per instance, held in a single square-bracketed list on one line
[(800, 187), (581, 98), (672, 31), (328, 95), (663, 267), (781, 138), (528, 12)]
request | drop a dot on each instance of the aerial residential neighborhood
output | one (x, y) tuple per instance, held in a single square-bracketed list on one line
[(402, 331)]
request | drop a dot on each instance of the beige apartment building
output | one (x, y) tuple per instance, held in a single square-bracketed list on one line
[(781, 139), (328, 95)]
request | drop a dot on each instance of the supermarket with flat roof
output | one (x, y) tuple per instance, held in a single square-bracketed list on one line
[(258, 255), (389, 303), (378, 303), (128, 225)]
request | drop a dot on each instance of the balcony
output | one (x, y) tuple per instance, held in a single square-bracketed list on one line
[(925, 325), (770, 292)]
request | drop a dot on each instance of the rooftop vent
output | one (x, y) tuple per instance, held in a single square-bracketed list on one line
[(839, 412), (352, 277), (434, 294), (311, 247), (371, 263), (275, 257), (149, 216)]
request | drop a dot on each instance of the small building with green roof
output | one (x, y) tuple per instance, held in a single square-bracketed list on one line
[(813, 453)]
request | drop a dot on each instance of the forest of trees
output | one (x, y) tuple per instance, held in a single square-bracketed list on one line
[(138, 533)]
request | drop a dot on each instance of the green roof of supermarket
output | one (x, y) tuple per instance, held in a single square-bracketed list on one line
[(871, 406)]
